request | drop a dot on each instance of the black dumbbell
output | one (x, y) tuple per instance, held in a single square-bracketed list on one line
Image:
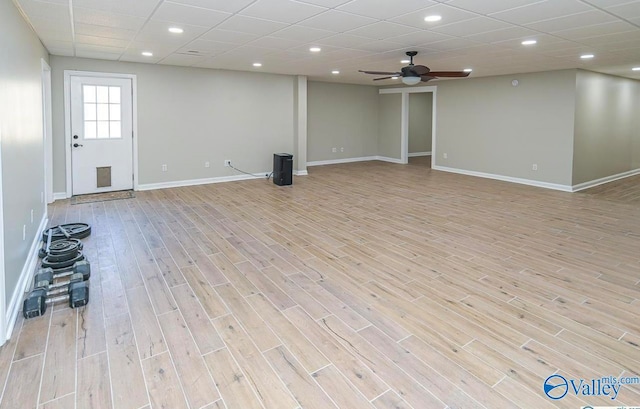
[(80, 267), (75, 291)]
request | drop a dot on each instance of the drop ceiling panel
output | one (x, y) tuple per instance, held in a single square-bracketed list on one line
[(627, 11), (276, 43), (419, 37), (544, 10), (44, 25), (596, 30), (384, 9), (182, 14), (108, 19), (44, 10), (508, 34), (138, 8), (337, 21), (101, 41), (490, 6), (102, 31), (158, 31), (207, 47), (303, 33), (285, 11), (325, 3), (471, 27), (227, 36), (345, 40), (382, 30), (229, 6), (182, 59), (586, 18), (449, 15), (250, 25), (97, 55)]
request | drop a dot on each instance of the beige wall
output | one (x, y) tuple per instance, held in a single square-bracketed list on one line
[(22, 139), (487, 125), (420, 121), (187, 116), (341, 116), (607, 131), (389, 125)]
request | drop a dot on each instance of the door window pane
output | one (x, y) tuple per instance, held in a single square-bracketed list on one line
[(103, 129), (102, 95), (114, 112), (103, 112), (115, 129), (114, 95), (90, 130), (89, 93), (89, 112)]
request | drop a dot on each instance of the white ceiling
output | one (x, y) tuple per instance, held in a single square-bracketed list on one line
[(484, 35)]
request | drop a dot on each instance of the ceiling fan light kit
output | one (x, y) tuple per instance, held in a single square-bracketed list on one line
[(414, 74)]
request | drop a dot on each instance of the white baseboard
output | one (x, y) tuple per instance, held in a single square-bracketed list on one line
[(206, 181), (414, 154), (300, 172), (601, 181), (350, 160), (26, 276), (343, 160), (59, 196), (529, 182), (391, 160)]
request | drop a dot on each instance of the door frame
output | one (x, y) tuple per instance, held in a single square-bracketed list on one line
[(404, 124), (47, 133), (67, 119)]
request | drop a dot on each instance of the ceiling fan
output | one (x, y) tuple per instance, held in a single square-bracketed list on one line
[(413, 74)]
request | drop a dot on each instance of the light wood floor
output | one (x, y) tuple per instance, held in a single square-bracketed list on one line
[(369, 285)]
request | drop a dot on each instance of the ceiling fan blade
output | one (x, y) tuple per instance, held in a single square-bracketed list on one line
[(380, 72), (425, 78), (383, 78), (449, 74), (420, 69)]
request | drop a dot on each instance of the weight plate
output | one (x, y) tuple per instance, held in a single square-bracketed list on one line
[(75, 230), (63, 250), (56, 265)]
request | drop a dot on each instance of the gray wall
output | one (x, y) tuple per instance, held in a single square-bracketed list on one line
[(420, 121), (187, 116), (22, 138), (607, 131), (389, 125), (341, 116), (487, 125)]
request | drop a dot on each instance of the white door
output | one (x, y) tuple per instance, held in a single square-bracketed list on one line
[(101, 134)]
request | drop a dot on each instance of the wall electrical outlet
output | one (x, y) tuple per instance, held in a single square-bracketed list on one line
[(227, 162), (164, 167), (534, 167), (207, 164), (334, 150)]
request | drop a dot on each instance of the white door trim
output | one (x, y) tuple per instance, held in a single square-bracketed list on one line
[(67, 119), (404, 125), (47, 132), (3, 300)]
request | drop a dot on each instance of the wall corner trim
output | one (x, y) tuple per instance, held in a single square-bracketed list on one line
[(529, 182)]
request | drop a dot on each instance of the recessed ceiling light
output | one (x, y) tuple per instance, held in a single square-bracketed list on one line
[(433, 18), (467, 70), (587, 56), (147, 53), (529, 42), (176, 30), (394, 78), (315, 49), (335, 72), (405, 61), (635, 69), (257, 64)]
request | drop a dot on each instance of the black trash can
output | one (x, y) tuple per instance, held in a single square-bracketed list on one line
[(282, 169)]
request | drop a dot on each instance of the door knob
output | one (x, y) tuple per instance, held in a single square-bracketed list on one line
[(75, 145)]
